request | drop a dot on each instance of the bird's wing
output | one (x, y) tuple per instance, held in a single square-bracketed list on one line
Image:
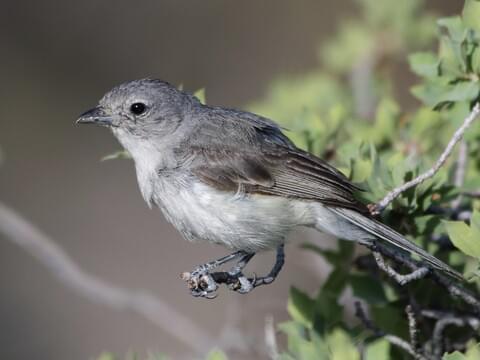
[(280, 171), (236, 151)]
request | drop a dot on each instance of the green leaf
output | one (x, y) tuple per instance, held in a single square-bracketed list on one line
[(378, 350), (368, 289), (341, 346), (300, 307), (455, 27), (336, 282), (426, 224), (462, 91), (475, 220), (216, 355), (386, 118), (457, 33), (424, 64), (438, 92), (360, 169), (299, 344), (472, 353), (463, 238), (121, 154), (475, 61), (471, 14), (431, 92), (106, 356), (200, 94), (457, 355), (328, 312)]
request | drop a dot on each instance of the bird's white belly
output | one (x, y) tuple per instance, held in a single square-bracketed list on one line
[(238, 221)]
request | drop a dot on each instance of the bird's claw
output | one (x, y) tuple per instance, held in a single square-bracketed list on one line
[(201, 284), (243, 285), (204, 283)]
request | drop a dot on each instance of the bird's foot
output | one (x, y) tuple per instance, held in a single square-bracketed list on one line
[(205, 284), (242, 284), (201, 284)]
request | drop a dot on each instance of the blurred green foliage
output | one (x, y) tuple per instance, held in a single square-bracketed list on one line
[(212, 355), (380, 149), (132, 356)]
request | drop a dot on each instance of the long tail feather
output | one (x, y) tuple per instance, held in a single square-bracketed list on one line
[(383, 232)]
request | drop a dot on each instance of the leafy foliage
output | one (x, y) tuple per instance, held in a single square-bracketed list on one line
[(381, 151), (212, 355)]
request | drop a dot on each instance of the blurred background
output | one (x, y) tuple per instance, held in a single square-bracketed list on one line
[(57, 59)]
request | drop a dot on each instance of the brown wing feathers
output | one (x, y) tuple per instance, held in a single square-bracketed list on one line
[(226, 170), (260, 159), (286, 172)]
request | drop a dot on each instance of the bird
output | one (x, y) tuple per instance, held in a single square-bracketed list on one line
[(231, 177)]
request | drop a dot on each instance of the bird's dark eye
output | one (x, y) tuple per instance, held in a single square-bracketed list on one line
[(138, 108)]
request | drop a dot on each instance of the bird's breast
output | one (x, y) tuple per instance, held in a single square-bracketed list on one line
[(238, 221)]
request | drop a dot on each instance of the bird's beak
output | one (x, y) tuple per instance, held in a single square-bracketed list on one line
[(97, 116)]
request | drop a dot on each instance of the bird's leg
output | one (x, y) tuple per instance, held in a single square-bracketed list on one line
[(277, 267), (240, 282), (201, 282), (238, 268), (244, 285), (201, 269)]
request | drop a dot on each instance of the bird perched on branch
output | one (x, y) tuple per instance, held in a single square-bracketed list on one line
[(233, 178)]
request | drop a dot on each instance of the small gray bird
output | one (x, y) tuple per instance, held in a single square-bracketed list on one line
[(231, 177)]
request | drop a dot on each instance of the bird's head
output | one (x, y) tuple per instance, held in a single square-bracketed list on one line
[(140, 109)]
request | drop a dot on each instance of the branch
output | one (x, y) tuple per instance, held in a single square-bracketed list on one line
[(452, 287), (443, 320), (392, 339), (399, 278), (163, 315), (457, 136), (412, 328)]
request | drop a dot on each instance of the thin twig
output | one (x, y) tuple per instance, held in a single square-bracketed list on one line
[(271, 338), (412, 328), (57, 261), (392, 339), (416, 274), (445, 319), (451, 286), (457, 136)]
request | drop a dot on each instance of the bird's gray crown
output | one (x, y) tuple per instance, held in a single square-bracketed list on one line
[(146, 107), (151, 92)]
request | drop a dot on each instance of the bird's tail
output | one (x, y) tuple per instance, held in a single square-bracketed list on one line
[(389, 235)]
